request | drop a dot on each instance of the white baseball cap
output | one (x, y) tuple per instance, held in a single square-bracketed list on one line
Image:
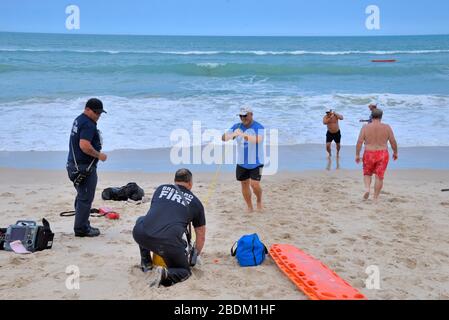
[(245, 110)]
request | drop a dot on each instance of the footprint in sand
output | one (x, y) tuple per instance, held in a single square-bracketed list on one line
[(286, 236), (411, 263), (441, 253), (331, 251), (197, 273), (7, 195), (397, 200), (72, 296), (16, 261), (359, 262), (350, 240)]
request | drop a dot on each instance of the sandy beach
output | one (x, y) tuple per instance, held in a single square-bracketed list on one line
[(321, 212), (145, 88)]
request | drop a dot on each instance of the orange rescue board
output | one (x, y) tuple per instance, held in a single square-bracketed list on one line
[(311, 276)]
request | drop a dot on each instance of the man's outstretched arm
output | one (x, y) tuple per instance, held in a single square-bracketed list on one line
[(200, 233)]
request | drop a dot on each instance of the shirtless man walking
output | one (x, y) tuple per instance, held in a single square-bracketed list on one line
[(376, 136), (333, 131)]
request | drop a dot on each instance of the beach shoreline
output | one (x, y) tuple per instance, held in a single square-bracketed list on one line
[(318, 211), (289, 158)]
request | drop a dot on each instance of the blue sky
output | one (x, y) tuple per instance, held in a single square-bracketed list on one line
[(227, 17)]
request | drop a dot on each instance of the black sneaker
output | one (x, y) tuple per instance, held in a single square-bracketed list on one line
[(146, 265), (158, 276), (93, 232)]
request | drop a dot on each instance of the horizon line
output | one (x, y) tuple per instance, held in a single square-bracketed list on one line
[(198, 35)]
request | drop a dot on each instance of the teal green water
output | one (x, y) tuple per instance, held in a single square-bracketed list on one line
[(284, 77), (133, 65)]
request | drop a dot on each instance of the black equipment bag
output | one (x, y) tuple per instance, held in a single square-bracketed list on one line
[(134, 192), (130, 191), (115, 194)]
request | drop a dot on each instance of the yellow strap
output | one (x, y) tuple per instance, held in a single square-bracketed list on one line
[(210, 191), (212, 186)]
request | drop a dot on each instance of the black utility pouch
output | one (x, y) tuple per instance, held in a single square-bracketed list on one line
[(80, 177), (2, 237), (77, 176), (45, 236)]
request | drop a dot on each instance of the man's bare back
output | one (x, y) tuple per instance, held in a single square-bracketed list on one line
[(376, 136)]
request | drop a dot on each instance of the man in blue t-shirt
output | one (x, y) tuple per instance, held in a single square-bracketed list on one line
[(84, 152), (249, 135)]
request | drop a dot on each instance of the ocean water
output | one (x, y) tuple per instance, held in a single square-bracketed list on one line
[(152, 85)]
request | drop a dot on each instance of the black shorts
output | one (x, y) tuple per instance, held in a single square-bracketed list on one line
[(333, 137), (243, 174)]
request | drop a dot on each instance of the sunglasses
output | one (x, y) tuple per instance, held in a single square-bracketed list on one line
[(243, 117)]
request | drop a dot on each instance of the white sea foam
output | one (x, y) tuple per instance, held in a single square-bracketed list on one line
[(141, 123), (235, 52)]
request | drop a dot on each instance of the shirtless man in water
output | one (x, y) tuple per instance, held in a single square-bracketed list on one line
[(376, 157), (333, 131)]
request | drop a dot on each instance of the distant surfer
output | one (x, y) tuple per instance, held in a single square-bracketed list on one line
[(333, 131), (371, 107), (375, 136)]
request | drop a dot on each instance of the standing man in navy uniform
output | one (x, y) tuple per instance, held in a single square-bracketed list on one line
[(84, 152)]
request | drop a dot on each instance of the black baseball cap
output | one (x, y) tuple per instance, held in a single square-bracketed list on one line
[(95, 105)]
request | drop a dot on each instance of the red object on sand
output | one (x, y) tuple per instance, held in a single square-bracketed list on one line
[(112, 215), (388, 60), (311, 276), (109, 213)]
